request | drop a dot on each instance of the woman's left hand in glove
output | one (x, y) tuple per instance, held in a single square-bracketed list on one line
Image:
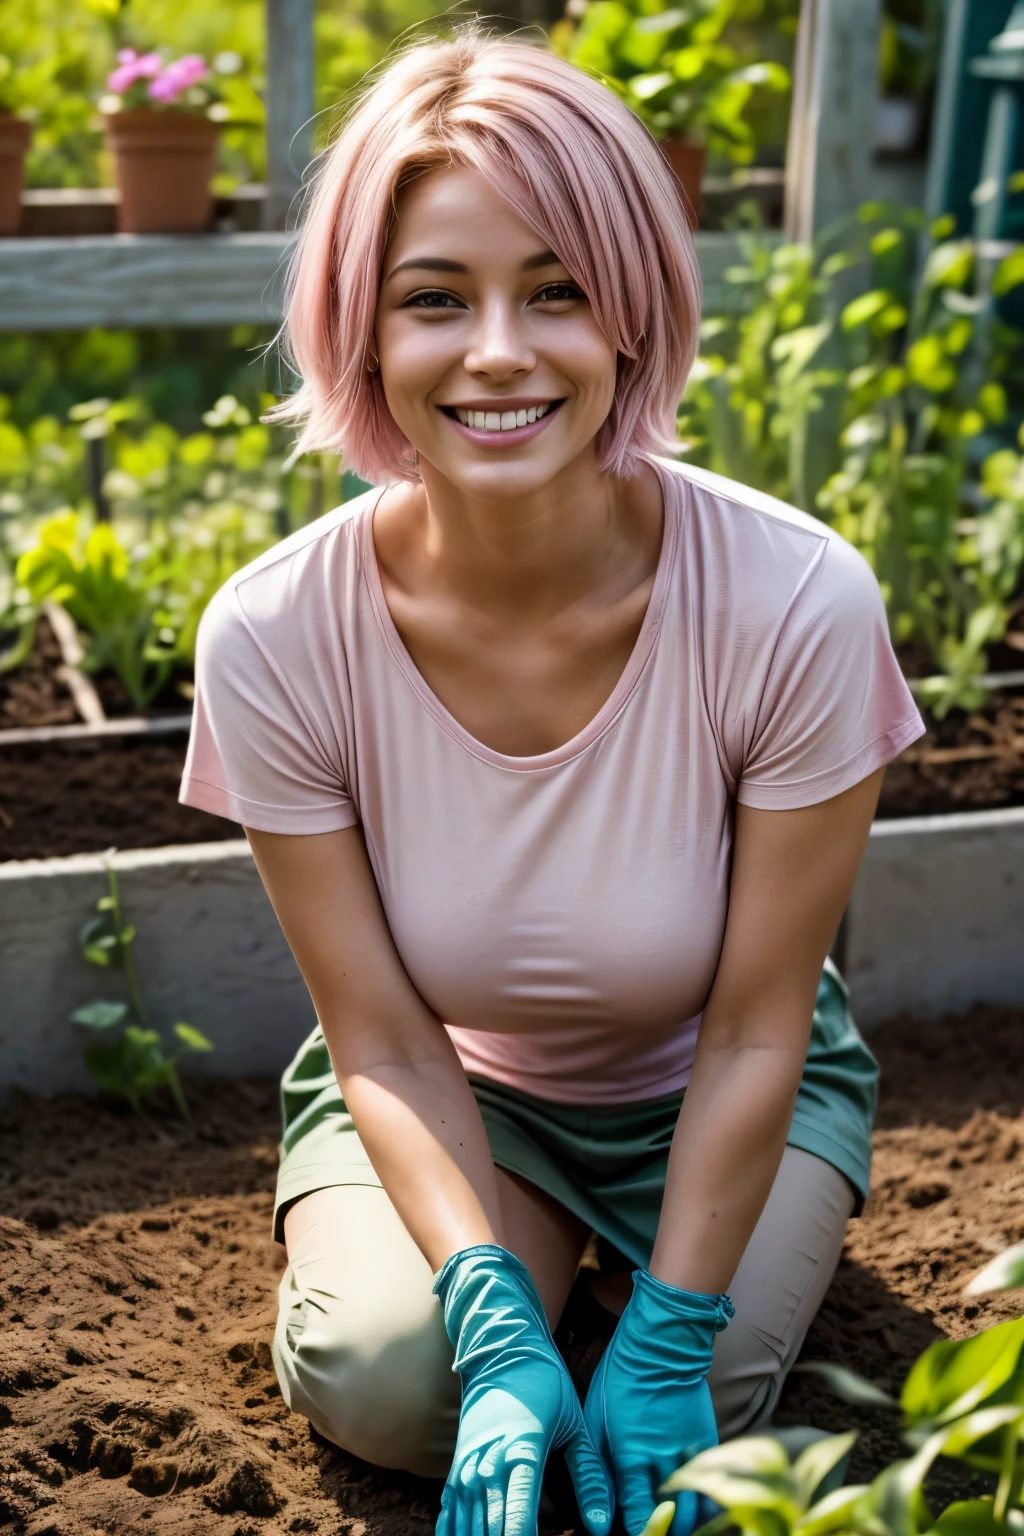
[(649, 1405)]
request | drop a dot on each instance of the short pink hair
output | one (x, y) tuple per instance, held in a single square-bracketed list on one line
[(570, 159)]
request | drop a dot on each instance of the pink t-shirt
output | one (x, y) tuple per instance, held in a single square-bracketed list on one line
[(563, 913)]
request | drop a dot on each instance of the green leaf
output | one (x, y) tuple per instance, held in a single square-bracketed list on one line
[(956, 1438), (832, 1513), (773, 76), (859, 311), (815, 1463), (95, 954), (146, 1067), (848, 1385), (970, 1517), (992, 402), (127, 933), (100, 1015), (643, 87), (885, 240), (752, 1473), (106, 904), (1009, 273), (954, 1376), (103, 1063), (192, 1039), (1004, 1273), (949, 265), (928, 365)]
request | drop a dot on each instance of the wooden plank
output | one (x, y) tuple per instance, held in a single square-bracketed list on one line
[(145, 280), (141, 280), (290, 106), (832, 123), (131, 725)]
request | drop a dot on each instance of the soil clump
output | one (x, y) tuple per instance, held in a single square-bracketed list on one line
[(138, 1285)]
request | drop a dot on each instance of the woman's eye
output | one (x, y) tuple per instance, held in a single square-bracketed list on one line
[(430, 298), (560, 291)]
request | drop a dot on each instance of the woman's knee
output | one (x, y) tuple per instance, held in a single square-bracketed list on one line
[(378, 1384), (745, 1380), (779, 1286)]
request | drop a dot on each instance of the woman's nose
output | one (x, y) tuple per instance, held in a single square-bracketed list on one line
[(499, 345)]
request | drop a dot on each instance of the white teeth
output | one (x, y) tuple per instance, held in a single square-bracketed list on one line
[(500, 421)]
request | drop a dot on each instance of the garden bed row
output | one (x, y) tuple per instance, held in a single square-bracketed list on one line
[(68, 789)]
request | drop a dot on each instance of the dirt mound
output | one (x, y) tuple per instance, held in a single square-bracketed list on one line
[(138, 1287)]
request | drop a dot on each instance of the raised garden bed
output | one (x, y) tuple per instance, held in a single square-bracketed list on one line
[(138, 1298), (75, 793)]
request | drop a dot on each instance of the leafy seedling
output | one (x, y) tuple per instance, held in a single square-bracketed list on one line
[(122, 1054)]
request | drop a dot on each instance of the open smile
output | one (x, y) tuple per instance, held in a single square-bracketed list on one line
[(501, 428)]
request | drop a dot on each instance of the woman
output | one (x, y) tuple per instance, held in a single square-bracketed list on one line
[(549, 751)]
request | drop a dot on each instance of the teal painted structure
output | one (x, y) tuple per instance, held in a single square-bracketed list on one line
[(977, 139)]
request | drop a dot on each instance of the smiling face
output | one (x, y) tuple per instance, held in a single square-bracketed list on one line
[(491, 358)]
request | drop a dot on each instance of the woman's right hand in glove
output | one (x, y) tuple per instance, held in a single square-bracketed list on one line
[(518, 1403)]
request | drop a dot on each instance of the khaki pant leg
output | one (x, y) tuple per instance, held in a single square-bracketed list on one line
[(779, 1286), (360, 1346)]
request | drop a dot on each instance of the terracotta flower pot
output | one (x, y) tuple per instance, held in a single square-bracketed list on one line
[(15, 134), (164, 162), (686, 157)]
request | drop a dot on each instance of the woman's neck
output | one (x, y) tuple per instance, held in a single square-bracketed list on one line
[(527, 558)]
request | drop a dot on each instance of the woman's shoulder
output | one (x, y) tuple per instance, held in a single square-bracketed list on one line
[(298, 579), (741, 546)]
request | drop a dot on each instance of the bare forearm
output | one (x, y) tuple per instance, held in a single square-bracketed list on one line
[(726, 1151), (423, 1133)]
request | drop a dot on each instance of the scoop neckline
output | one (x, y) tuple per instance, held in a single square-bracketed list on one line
[(615, 701)]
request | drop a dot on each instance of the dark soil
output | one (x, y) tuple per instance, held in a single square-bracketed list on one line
[(87, 795), (139, 1278), (84, 796)]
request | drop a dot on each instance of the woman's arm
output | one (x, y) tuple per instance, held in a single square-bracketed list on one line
[(792, 874), (397, 1068)]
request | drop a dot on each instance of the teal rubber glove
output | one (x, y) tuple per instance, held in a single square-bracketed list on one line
[(649, 1406), (518, 1403)]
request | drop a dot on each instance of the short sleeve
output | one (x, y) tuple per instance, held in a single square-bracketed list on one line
[(255, 754), (835, 705)]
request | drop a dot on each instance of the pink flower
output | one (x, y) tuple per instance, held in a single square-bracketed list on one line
[(178, 77), (133, 66)]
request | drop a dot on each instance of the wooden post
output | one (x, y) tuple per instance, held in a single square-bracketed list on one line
[(290, 106), (832, 126)]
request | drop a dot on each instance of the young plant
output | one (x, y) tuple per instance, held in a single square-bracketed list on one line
[(122, 1053), (94, 580), (962, 1399), (868, 384)]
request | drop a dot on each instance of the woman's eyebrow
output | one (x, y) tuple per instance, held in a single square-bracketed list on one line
[(442, 264)]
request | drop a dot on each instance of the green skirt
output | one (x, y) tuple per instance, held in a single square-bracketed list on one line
[(607, 1164)]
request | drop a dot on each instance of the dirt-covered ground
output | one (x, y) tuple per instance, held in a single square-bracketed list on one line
[(138, 1291)]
